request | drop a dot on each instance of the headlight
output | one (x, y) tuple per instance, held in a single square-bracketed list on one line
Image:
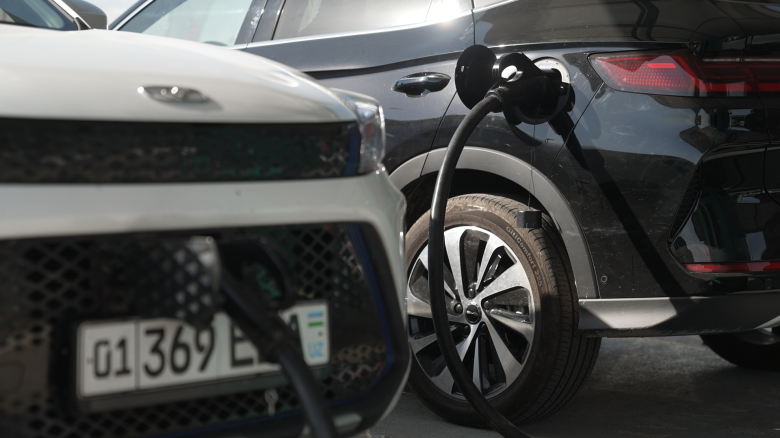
[(372, 128)]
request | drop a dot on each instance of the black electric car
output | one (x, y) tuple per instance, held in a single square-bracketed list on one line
[(659, 180)]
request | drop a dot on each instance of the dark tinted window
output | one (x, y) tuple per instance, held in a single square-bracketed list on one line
[(302, 18), (482, 3), (38, 13)]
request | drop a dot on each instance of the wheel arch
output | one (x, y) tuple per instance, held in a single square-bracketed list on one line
[(485, 170)]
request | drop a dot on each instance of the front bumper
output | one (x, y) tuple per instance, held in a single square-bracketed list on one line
[(53, 214)]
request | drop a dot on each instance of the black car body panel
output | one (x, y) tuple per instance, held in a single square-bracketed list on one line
[(632, 173), (532, 21), (772, 163), (636, 170), (757, 18), (535, 144), (352, 61)]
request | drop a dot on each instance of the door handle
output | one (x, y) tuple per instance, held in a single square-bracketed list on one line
[(420, 84)]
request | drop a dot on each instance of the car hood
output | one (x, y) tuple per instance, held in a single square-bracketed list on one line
[(97, 75)]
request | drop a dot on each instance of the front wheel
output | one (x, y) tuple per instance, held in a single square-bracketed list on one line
[(757, 349), (513, 314)]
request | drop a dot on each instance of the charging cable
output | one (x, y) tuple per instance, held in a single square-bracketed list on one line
[(219, 284), (262, 325), (510, 81)]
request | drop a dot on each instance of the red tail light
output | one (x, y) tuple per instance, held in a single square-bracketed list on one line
[(720, 268), (679, 73)]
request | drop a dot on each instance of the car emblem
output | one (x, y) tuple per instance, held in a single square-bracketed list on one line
[(472, 314), (173, 94)]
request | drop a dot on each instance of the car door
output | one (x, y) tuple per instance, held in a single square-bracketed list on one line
[(772, 164), (772, 180), (401, 52)]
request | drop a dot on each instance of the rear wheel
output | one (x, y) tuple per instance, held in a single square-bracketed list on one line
[(757, 349), (513, 314)]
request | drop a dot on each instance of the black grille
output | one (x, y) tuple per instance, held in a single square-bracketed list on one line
[(40, 151), (50, 284), (687, 204)]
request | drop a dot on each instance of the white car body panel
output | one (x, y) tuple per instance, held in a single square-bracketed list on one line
[(98, 73), (95, 75), (49, 210)]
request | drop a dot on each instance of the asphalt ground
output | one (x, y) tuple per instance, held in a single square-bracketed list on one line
[(640, 388)]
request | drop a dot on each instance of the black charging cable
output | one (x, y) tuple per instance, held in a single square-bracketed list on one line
[(260, 322), (217, 278), (257, 315), (505, 94)]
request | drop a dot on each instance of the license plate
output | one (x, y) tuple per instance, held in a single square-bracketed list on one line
[(139, 354)]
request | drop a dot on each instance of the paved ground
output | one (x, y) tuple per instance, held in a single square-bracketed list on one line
[(640, 388)]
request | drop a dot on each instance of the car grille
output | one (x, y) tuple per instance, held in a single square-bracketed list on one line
[(50, 284), (48, 151)]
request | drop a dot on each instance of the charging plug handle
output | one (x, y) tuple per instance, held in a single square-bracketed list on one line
[(528, 92)]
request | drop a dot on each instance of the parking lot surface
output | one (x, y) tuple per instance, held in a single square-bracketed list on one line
[(644, 388)]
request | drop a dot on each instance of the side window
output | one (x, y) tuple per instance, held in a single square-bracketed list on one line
[(38, 13), (482, 3), (302, 18), (444, 9), (207, 21)]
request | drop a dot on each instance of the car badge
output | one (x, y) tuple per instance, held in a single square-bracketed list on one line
[(173, 94)]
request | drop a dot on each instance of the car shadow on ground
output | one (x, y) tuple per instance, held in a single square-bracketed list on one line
[(643, 388)]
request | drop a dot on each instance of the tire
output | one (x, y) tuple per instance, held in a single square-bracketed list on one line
[(756, 349), (548, 361)]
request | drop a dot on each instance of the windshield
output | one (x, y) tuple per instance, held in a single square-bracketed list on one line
[(37, 13), (207, 21)]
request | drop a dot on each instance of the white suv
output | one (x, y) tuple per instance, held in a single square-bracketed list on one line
[(121, 156)]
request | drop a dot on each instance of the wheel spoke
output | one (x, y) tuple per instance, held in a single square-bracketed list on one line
[(416, 306), (511, 366), (423, 259), (491, 246), (512, 278), (420, 343), (444, 381), (452, 245), (517, 323), (447, 289), (476, 375), (463, 346)]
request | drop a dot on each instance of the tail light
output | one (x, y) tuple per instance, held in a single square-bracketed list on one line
[(680, 73), (721, 268)]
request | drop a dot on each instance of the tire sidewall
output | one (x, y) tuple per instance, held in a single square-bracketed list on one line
[(469, 211)]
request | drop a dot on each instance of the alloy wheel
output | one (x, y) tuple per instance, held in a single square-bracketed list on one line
[(490, 307)]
